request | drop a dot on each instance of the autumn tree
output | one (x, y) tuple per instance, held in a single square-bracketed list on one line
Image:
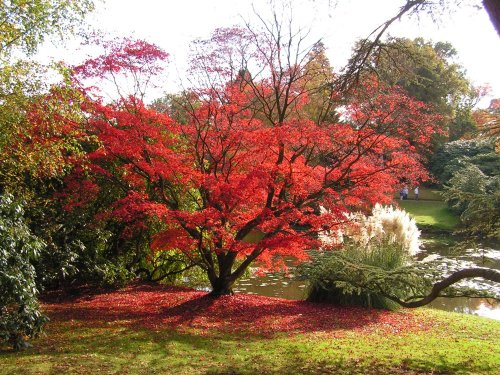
[(26, 24), (249, 160), (488, 123)]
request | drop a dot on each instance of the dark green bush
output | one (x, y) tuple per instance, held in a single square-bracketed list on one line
[(20, 315), (454, 156), (475, 196), (344, 277)]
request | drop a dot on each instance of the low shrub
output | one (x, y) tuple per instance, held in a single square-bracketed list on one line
[(372, 246)]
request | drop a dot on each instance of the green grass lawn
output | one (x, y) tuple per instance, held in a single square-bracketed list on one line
[(430, 211), (154, 329), (434, 214), (457, 344)]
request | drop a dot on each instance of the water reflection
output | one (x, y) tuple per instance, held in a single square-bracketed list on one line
[(278, 285), (273, 285), (478, 306)]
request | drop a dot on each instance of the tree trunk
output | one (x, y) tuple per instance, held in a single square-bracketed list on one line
[(222, 287), (223, 282), (493, 9)]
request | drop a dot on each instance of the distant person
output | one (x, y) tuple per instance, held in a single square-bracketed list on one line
[(416, 193), (405, 193), (401, 194)]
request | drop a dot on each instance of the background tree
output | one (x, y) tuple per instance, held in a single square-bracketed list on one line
[(322, 101), (427, 72), (454, 156), (363, 53), (176, 106), (424, 69), (27, 24), (24, 26), (488, 123), (476, 197)]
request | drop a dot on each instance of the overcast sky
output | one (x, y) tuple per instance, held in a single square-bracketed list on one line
[(174, 24)]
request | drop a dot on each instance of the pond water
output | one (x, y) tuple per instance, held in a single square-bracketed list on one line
[(285, 286)]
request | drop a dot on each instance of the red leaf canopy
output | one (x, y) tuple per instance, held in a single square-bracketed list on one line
[(236, 169)]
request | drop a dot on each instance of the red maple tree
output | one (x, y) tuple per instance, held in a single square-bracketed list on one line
[(249, 161)]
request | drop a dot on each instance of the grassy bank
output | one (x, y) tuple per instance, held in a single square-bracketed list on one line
[(430, 211), (182, 332)]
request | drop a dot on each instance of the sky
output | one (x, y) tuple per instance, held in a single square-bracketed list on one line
[(172, 25)]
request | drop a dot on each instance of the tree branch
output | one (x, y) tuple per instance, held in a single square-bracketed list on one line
[(487, 274)]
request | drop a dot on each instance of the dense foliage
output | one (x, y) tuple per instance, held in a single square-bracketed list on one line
[(429, 72), (476, 197), (25, 24), (454, 156), (20, 315), (34, 157), (247, 160), (232, 171), (374, 246)]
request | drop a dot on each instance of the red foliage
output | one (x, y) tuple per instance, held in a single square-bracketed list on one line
[(239, 168), (123, 55), (127, 64), (158, 307), (47, 143)]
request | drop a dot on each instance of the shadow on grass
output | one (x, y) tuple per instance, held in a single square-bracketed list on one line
[(86, 350), (95, 344)]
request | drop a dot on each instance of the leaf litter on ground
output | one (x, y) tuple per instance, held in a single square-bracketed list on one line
[(158, 307)]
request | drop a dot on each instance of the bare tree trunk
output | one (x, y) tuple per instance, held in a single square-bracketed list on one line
[(222, 287), (493, 9)]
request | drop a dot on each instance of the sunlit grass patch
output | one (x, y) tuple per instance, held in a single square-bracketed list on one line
[(433, 214), (428, 341), (458, 344)]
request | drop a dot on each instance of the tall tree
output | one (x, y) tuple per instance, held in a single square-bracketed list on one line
[(26, 104), (25, 24), (428, 72), (248, 160), (322, 100)]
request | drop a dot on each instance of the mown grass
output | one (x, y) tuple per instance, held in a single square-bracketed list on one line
[(431, 214), (430, 211), (456, 343)]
